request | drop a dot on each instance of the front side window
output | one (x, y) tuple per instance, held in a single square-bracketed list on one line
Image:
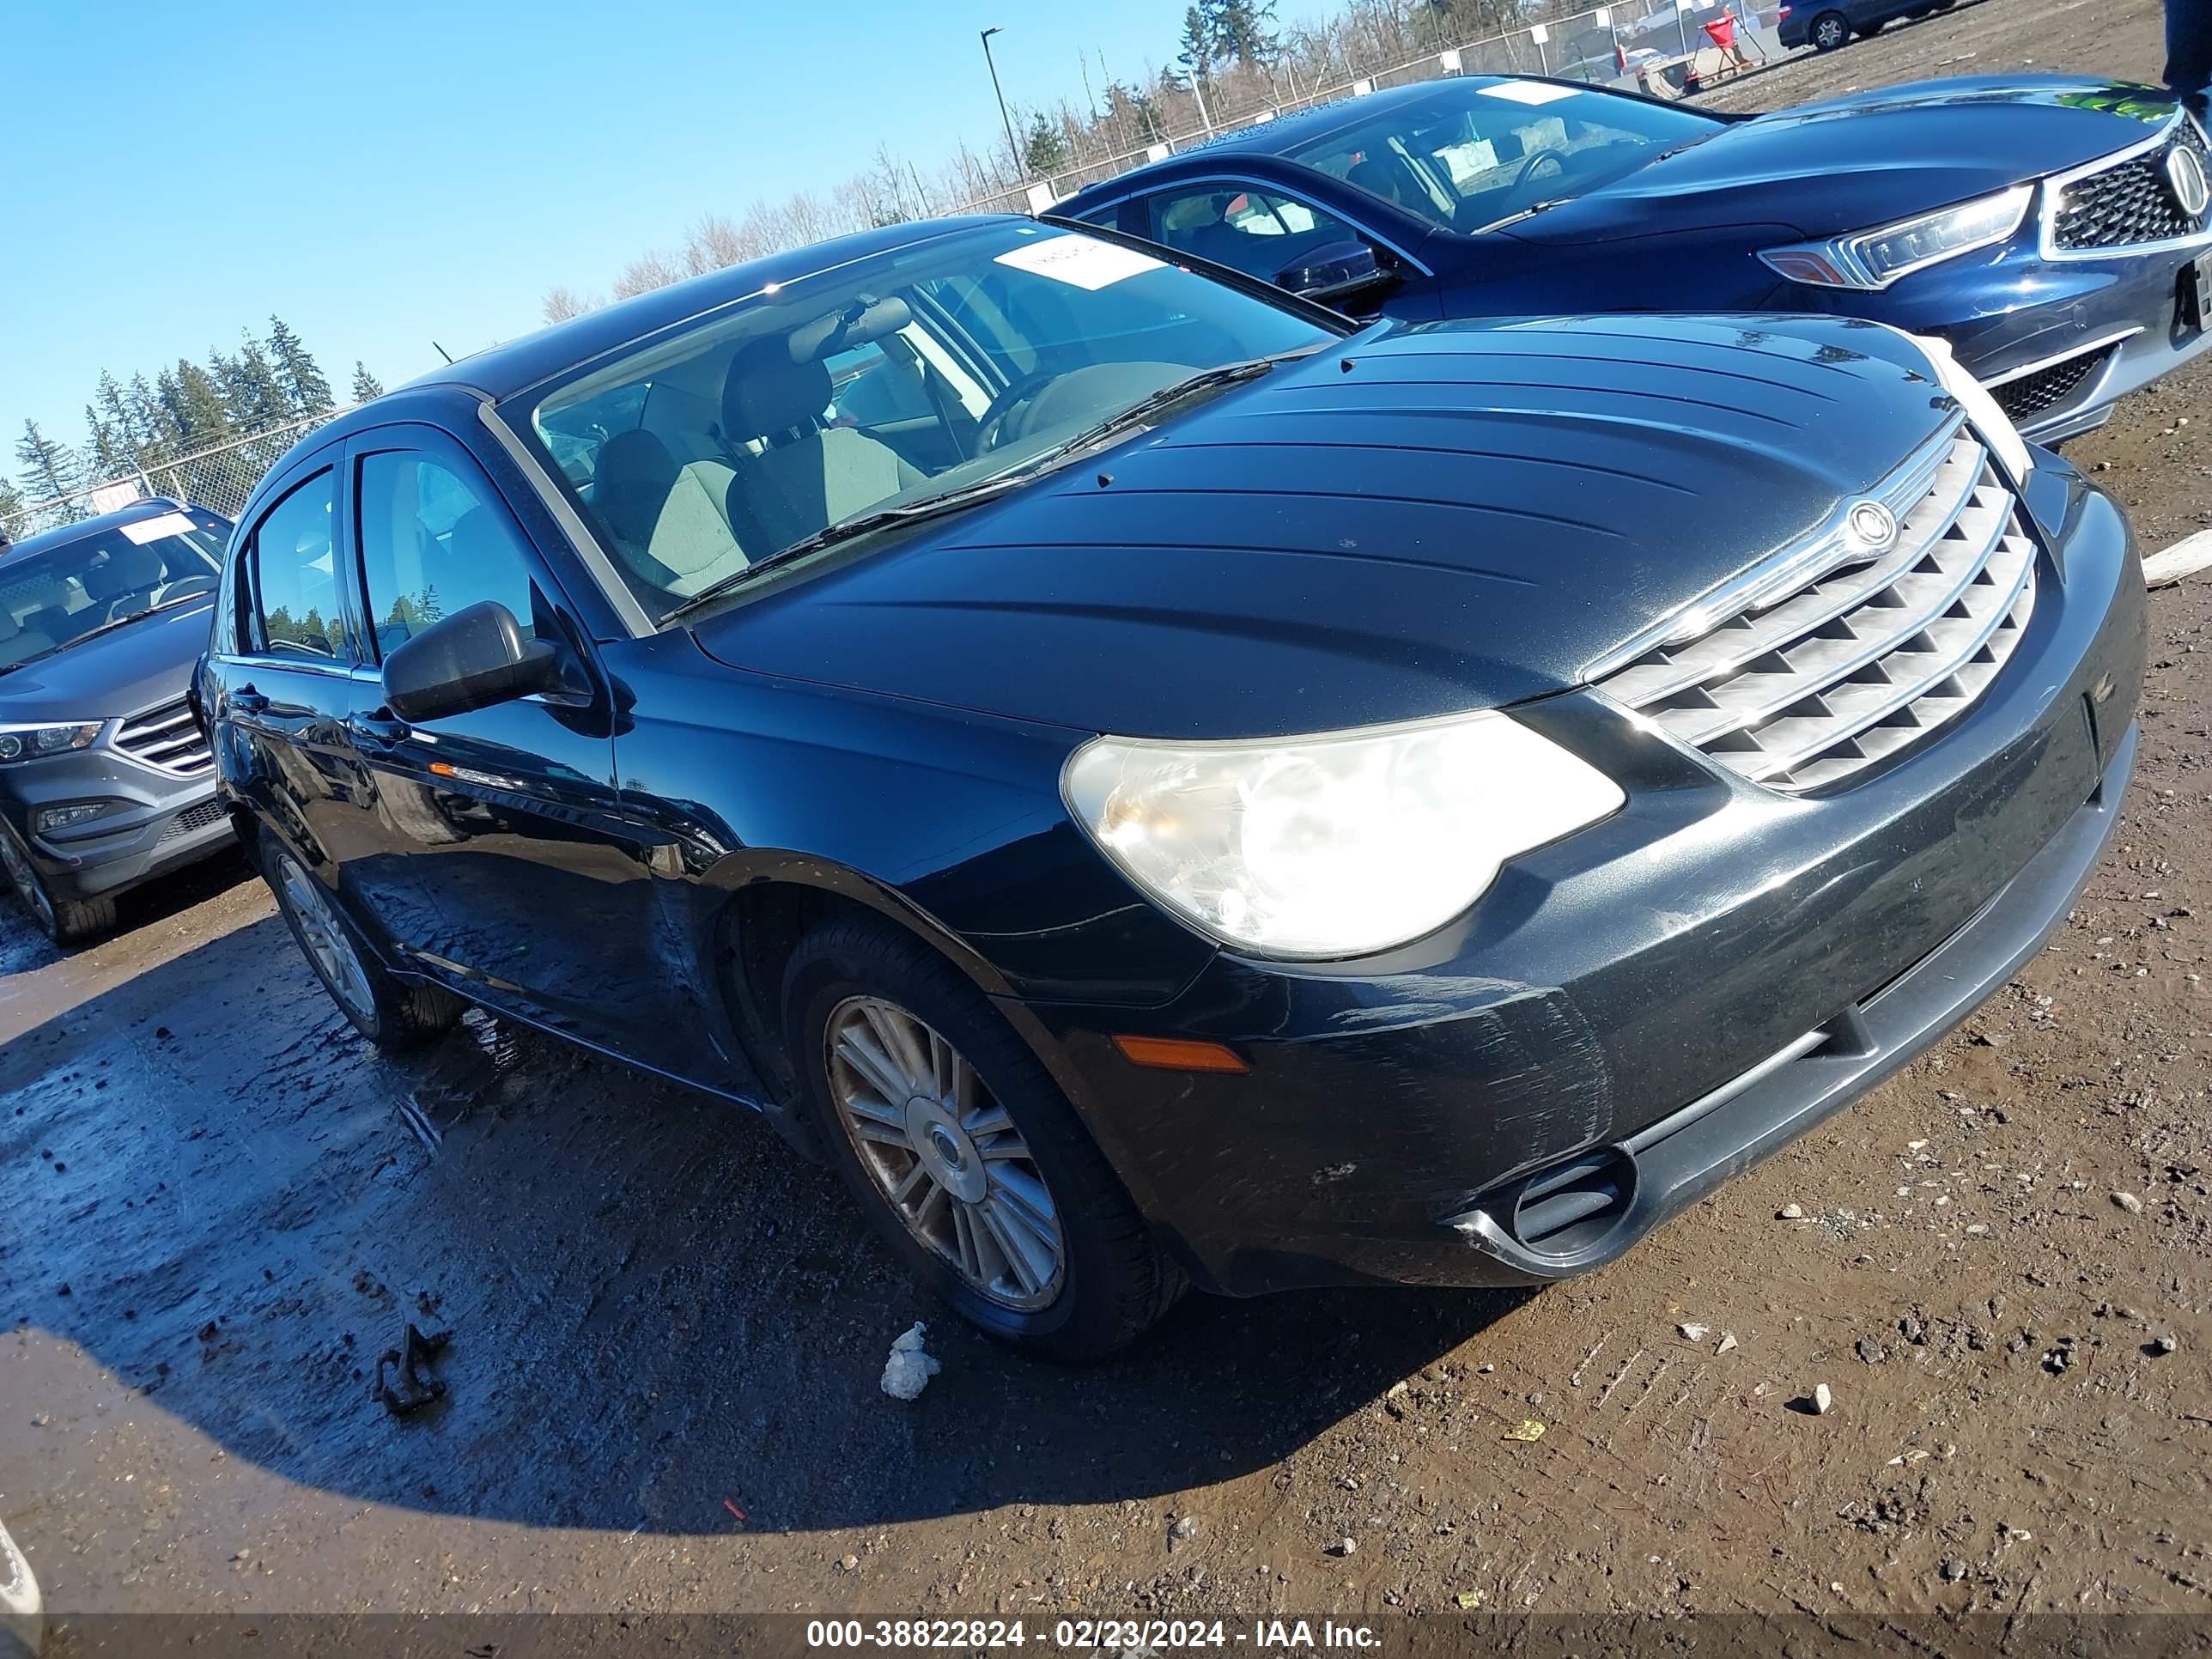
[(1473, 152), (63, 587), (433, 542), (297, 609), (964, 358), (1261, 233)]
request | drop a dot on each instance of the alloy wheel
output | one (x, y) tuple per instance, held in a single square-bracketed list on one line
[(26, 880), (944, 1153), (326, 938), (1828, 32)]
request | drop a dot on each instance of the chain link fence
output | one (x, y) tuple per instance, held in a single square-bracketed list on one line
[(1635, 44), (219, 479)]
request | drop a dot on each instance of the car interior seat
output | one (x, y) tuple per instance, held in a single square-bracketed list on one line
[(805, 476), (19, 643), (124, 581), (667, 520)]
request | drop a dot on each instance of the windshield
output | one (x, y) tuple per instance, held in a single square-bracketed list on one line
[(53, 593), (1476, 151), (884, 383)]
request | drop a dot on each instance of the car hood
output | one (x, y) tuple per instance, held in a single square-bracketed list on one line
[(1859, 162), (1428, 518), (120, 673)]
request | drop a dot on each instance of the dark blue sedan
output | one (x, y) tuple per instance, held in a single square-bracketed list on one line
[(2053, 231)]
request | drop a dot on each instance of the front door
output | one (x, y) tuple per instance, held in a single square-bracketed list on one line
[(282, 698), (518, 879)]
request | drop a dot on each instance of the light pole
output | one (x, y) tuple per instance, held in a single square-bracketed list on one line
[(1013, 149)]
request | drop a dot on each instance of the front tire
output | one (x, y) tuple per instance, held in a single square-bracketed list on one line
[(391, 1012), (961, 1150), (63, 920), (1830, 30)]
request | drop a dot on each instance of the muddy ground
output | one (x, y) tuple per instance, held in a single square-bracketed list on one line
[(217, 1206)]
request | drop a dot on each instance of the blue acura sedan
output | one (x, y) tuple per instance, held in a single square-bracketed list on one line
[(2053, 231)]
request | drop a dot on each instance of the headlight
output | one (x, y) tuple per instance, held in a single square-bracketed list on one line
[(30, 742), (1875, 259), (1989, 419), (1336, 845)]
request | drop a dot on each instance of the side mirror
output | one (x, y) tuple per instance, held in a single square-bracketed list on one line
[(1329, 273), (471, 659)]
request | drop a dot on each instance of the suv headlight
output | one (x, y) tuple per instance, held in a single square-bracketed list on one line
[(1874, 259), (1336, 845), (31, 742)]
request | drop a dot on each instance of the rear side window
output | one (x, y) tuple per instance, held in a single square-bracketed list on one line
[(434, 541), (297, 608)]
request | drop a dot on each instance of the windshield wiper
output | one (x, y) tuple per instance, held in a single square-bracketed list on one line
[(1168, 395), (846, 530), (114, 622), (953, 501)]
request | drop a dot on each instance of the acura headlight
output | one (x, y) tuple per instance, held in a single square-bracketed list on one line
[(1874, 259), (1335, 845), (31, 742)]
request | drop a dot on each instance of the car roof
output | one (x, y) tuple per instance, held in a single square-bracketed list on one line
[(1289, 132), (500, 371), (152, 508)]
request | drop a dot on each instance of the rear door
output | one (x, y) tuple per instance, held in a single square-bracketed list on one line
[(281, 695), (514, 876)]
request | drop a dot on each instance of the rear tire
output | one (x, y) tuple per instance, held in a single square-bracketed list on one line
[(63, 920), (391, 1012), (1829, 31), (1001, 1130)]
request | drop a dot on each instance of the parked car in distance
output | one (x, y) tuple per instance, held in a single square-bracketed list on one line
[(2053, 231), (105, 778), (1224, 798), (1826, 25)]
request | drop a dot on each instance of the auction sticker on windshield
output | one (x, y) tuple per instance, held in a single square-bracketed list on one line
[(1079, 261), (153, 530), (1528, 92)]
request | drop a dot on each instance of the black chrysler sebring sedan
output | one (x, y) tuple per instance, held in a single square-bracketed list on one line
[(1158, 787)]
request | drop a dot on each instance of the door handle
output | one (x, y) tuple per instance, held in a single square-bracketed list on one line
[(246, 701), (377, 729)]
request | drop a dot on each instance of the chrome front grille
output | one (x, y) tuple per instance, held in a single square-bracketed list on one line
[(168, 739), (1803, 684), (2128, 202)]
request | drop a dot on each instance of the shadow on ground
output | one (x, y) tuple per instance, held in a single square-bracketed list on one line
[(233, 1203)]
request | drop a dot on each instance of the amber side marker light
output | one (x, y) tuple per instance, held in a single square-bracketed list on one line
[(1179, 1054)]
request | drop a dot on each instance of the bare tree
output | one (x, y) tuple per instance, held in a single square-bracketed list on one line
[(646, 272), (715, 244), (563, 303)]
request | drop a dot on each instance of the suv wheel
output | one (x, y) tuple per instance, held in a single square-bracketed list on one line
[(1830, 30), (62, 921), (390, 1012), (962, 1152)]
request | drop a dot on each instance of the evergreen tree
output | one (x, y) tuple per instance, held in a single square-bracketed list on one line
[(11, 513), (49, 469), (252, 396), (365, 385), (1240, 31), (195, 405), (1197, 54), (297, 371), (1045, 150), (148, 427), (108, 452)]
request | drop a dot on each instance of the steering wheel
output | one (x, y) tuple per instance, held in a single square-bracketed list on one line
[(1002, 407), (1556, 157)]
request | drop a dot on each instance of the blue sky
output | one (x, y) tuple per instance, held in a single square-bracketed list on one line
[(384, 175)]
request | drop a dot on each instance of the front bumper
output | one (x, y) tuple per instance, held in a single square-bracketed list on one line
[(1646, 1007), (156, 823), (2070, 336)]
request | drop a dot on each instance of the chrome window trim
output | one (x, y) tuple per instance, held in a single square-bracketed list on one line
[(593, 557), (2054, 189), (1246, 182)]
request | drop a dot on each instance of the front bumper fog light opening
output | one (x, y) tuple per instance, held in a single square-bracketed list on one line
[(68, 818), (1570, 1208)]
